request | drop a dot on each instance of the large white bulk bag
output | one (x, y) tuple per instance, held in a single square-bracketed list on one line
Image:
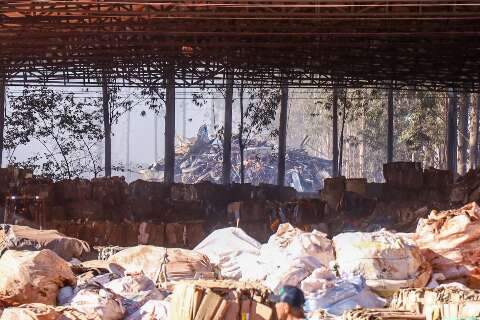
[(315, 244), (386, 260), (234, 252), (163, 264)]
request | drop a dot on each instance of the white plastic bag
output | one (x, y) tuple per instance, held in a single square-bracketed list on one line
[(135, 290), (340, 295), (235, 253), (224, 241)]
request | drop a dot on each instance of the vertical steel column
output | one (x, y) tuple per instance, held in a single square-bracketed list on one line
[(107, 126), (390, 126), (169, 171), (227, 134), (282, 136), (2, 117), (452, 132), (335, 133)]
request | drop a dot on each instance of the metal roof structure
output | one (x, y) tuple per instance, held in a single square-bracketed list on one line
[(425, 43)]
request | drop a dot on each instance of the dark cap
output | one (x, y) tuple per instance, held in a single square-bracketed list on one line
[(291, 295)]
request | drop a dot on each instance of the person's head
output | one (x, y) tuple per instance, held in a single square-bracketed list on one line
[(289, 303)]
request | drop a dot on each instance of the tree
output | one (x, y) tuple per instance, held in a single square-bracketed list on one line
[(473, 141), (260, 113), (67, 130), (463, 133), (256, 119)]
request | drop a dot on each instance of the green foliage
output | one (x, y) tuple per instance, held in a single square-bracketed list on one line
[(67, 129), (420, 121), (260, 113)]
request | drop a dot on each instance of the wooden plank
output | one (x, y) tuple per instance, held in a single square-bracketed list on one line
[(210, 303)]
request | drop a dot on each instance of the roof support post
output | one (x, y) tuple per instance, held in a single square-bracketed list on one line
[(170, 127), (390, 126), (282, 135), (335, 132), (452, 132), (2, 116), (107, 126), (227, 132)]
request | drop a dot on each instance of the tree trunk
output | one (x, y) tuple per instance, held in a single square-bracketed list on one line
[(452, 132), (227, 131), (474, 133), (107, 125), (169, 170), (390, 126), (344, 115), (240, 139), (463, 134), (282, 136), (2, 118), (335, 133)]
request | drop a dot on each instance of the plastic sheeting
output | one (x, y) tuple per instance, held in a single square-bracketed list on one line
[(315, 244), (135, 290), (235, 253), (274, 251), (292, 273), (339, 295), (34, 311), (32, 277), (290, 243), (96, 301), (387, 260), (162, 264), (225, 241), (152, 310)]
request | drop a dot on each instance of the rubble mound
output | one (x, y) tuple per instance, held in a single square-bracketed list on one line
[(196, 162)]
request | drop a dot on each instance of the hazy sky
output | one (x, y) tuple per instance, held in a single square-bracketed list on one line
[(142, 128)]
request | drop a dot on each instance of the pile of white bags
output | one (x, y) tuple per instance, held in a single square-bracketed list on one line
[(275, 250), (235, 253), (32, 277), (386, 260)]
